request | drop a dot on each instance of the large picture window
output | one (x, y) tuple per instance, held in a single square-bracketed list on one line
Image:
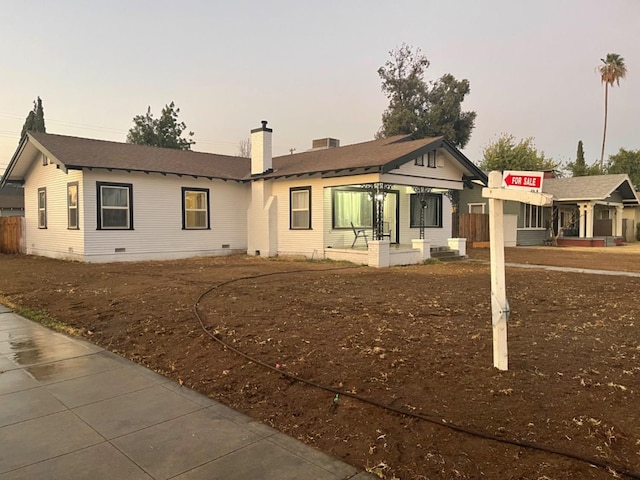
[(42, 208), (532, 216), (432, 210), (300, 208), (195, 208), (352, 207), (115, 206), (72, 206)]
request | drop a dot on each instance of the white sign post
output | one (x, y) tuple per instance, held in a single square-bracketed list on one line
[(497, 192)]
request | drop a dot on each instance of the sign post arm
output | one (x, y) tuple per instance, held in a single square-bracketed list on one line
[(499, 309)]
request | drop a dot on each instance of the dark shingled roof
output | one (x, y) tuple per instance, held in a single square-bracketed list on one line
[(382, 155), (596, 187), (75, 152)]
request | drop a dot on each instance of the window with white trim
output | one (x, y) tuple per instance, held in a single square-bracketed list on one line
[(532, 217), (72, 206), (476, 207), (195, 208), (300, 208), (42, 207), (115, 206)]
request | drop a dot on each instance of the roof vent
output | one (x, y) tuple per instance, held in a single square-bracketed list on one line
[(325, 143)]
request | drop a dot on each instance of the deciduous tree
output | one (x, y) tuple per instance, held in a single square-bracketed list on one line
[(506, 154), (419, 108), (165, 131), (244, 148), (626, 161)]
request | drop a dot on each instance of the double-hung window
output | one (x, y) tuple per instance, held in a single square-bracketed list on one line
[(72, 206), (42, 208), (431, 159), (115, 206), (195, 208), (300, 208), (430, 208), (532, 216)]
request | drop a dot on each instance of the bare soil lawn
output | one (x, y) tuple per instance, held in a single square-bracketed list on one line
[(415, 338)]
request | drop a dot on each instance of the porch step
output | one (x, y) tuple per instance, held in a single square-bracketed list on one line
[(445, 254)]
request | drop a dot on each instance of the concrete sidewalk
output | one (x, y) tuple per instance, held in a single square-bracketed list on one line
[(71, 410)]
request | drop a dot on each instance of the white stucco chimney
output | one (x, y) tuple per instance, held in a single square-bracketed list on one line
[(261, 157)]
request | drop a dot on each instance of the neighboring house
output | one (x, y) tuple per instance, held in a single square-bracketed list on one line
[(590, 210), (594, 210), (99, 201), (11, 200)]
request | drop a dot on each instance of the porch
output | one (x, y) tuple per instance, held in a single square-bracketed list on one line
[(381, 253), (606, 241)]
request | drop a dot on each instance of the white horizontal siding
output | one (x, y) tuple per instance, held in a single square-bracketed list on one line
[(56, 240), (300, 242), (438, 236), (450, 168), (157, 219)]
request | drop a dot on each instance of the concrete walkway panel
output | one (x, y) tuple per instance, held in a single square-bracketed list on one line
[(100, 462)]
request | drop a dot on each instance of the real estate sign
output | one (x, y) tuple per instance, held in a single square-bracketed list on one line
[(530, 181)]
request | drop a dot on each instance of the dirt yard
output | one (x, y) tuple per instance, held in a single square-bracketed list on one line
[(417, 339)]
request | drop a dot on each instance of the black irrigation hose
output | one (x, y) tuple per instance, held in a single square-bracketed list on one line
[(440, 422)]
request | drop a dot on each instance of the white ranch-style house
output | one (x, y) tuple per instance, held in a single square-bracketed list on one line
[(381, 202)]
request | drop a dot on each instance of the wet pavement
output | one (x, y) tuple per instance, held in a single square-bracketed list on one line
[(71, 410)]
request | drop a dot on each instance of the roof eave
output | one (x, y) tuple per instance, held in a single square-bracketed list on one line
[(14, 160), (123, 169)]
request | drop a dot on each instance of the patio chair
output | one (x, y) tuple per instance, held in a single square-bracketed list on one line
[(359, 233)]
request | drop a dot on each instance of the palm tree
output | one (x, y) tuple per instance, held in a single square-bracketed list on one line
[(612, 70)]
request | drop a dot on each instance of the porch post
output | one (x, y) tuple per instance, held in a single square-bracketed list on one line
[(582, 219), (618, 230), (589, 220), (421, 193)]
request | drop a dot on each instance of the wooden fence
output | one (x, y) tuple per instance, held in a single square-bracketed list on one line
[(474, 227), (12, 237)]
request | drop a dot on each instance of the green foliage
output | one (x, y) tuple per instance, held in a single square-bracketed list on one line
[(626, 161), (612, 69), (46, 320), (35, 119), (506, 154), (419, 108), (444, 115), (164, 132), (579, 168)]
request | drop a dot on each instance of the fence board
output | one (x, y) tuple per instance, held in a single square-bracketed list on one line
[(12, 235), (474, 227)]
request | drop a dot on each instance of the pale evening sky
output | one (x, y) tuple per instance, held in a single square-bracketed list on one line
[(310, 68)]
